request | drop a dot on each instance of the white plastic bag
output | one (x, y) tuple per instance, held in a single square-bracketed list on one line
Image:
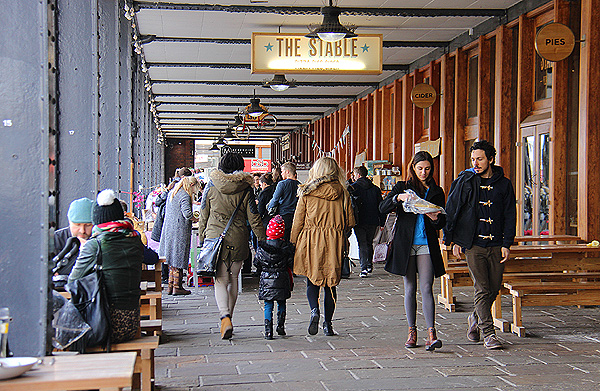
[(417, 205)]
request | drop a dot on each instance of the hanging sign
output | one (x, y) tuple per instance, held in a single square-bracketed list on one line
[(294, 53), (554, 42), (246, 150), (423, 95), (431, 146), (285, 142)]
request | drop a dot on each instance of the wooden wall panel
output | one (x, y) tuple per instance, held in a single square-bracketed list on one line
[(362, 125), (370, 126), (588, 224), (447, 75), (417, 112), (407, 123), (397, 125), (525, 71), (386, 125), (483, 111), (460, 109), (354, 131), (377, 123), (503, 138)]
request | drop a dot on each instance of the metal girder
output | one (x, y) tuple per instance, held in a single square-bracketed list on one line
[(259, 83), (25, 105), (222, 123), (294, 113), (354, 11), (242, 104), (248, 96), (221, 41), (222, 65)]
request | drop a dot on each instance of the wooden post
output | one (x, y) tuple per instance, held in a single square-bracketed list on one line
[(503, 138), (588, 224), (386, 126), (447, 75), (483, 111), (407, 123), (460, 109), (397, 125), (370, 127)]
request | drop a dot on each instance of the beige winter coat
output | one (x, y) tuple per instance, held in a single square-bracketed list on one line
[(222, 194), (323, 217)]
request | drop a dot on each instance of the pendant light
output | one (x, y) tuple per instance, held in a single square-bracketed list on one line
[(279, 83), (331, 30), (239, 123), (214, 147), (228, 134), (255, 108)]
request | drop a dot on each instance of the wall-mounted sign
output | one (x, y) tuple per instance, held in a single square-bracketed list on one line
[(257, 165), (246, 150), (294, 53), (423, 95), (285, 142), (554, 42)]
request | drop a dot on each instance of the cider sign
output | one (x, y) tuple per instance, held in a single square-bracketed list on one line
[(423, 95), (554, 42), (294, 53)]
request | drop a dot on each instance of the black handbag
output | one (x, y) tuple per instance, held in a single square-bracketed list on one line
[(88, 294), (211, 248)]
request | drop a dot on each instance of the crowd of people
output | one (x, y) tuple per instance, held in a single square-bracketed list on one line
[(302, 229)]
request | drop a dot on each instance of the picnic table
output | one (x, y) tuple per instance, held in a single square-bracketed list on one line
[(106, 371)]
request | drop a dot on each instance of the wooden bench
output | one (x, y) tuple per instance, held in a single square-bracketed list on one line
[(144, 363), (572, 290), (151, 305), (151, 326)]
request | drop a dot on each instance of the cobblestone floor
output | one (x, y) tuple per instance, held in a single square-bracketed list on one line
[(561, 350)]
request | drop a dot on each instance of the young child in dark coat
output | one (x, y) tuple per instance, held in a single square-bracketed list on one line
[(275, 258)]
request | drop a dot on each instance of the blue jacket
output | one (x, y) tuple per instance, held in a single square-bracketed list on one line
[(467, 218), (285, 197)]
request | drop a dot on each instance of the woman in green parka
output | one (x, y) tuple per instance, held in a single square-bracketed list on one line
[(122, 253)]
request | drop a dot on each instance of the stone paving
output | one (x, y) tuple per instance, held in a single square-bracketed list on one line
[(560, 352)]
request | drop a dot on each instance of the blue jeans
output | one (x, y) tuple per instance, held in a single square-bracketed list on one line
[(269, 304)]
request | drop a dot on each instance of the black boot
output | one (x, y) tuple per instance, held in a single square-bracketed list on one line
[(281, 323), (313, 326), (328, 329), (268, 329)]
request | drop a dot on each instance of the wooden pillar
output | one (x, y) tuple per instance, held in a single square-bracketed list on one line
[(484, 67), (354, 132), (417, 124), (525, 71), (397, 125), (460, 109), (407, 123), (386, 125), (370, 127), (503, 137), (349, 153), (588, 224), (447, 75), (434, 114), (362, 125), (377, 124), (559, 131)]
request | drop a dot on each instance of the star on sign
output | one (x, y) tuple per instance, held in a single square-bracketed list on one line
[(365, 48), (269, 47)]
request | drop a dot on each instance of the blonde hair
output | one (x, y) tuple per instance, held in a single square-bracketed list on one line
[(326, 167), (188, 183)]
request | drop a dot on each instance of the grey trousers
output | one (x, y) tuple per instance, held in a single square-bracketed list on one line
[(486, 271)]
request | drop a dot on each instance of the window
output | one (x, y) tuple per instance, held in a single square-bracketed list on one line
[(473, 93)]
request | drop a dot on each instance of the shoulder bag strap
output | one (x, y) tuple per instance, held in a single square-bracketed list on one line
[(235, 212)]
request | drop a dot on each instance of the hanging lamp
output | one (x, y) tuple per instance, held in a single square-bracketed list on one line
[(279, 83), (331, 30)]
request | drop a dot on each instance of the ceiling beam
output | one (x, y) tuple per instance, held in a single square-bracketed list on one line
[(243, 104), (223, 65), (248, 96), (247, 41), (353, 11), (292, 113), (259, 83)]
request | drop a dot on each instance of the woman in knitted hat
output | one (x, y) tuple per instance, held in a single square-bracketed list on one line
[(118, 243), (322, 221), (274, 258), (176, 236)]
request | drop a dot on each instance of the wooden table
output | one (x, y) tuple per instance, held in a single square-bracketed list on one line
[(105, 371)]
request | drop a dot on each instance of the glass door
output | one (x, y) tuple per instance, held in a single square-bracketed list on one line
[(536, 180)]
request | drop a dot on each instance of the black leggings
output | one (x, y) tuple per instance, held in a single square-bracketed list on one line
[(312, 293)]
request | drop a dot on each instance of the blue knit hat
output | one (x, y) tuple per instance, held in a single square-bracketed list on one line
[(80, 211)]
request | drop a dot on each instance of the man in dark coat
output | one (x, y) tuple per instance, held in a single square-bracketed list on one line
[(80, 226), (285, 197), (367, 198), (481, 222)]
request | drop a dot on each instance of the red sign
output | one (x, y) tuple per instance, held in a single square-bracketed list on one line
[(257, 165)]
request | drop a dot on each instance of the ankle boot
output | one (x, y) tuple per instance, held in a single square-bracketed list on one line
[(268, 329), (313, 326), (226, 327), (171, 280), (178, 289), (432, 341), (281, 323), (411, 341), (328, 329)]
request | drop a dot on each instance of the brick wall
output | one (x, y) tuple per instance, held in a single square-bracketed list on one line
[(178, 153)]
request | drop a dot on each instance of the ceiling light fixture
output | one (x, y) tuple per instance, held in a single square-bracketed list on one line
[(331, 30), (239, 123), (221, 141), (255, 108), (214, 147), (228, 134), (279, 83)]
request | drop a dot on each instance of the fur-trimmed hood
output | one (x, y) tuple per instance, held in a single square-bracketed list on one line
[(231, 183), (327, 187)]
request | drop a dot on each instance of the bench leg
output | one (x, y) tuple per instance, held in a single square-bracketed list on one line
[(147, 357), (517, 326), (502, 324)]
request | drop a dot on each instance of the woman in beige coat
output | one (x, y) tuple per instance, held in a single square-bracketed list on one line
[(322, 220)]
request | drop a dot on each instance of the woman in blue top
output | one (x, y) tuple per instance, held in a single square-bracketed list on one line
[(415, 247)]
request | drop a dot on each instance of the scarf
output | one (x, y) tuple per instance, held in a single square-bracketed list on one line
[(122, 226)]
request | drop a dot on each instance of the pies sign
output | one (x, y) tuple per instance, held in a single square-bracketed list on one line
[(423, 95), (554, 42)]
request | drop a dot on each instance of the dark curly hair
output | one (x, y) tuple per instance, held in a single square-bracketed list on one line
[(486, 147), (231, 162)]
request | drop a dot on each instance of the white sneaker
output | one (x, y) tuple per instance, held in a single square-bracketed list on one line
[(364, 274)]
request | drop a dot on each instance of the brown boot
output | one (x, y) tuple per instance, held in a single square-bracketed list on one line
[(226, 327), (178, 289), (411, 342), (432, 341), (171, 281)]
